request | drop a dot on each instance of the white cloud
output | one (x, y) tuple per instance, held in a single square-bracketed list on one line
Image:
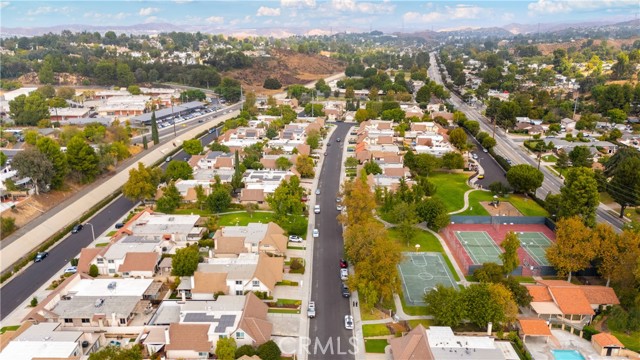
[(465, 11), (48, 10), (98, 16), (148, 11), (565, 6), (363, 7), (267, 11), (4, 4), (214, 20), (247, 19), (298, 3), (182, 1), (416, 17), (458, 12)]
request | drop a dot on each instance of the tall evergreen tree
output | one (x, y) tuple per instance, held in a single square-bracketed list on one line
[(154, 129), (236, 179), (145, 142)]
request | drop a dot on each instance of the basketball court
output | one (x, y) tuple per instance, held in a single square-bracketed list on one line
[(421, 272), (535, 244)]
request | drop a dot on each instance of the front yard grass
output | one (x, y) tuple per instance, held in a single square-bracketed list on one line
[(370, 330), (631, 342), (428, 243), (4, 329), (283, 311), (549, 158), (102, 244), (243, 218), (425, 322), (375, 345), (450, 188)]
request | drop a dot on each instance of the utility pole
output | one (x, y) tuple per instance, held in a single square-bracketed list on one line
[(173, 119)]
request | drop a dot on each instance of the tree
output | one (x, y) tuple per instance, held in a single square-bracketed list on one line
[(579, 196), (617, 116), (271, 83), (358, 198), (45, 75), (563, 161), (487, 302), (349, 93), (304, 166), (249, 102), (236, 179), (33, 164), (192, 147), (50, 148), (117, 353), (154, 129), (446, 306), (458, 138), (226, 349), (581, 156), (286, 200), (489, 272), (34, 301), (404, 215), (145, 142), (524, 178), (362, 115), (372, 167), (573, 249), (314, 109), (351, 162), (216, 146), (134, 90), (3, 158), (93, 270), (282, 163), (247, 350), (29, 110), (488, 142), (313, 139), (424, 164), (509, 257), (219, 200), (142, 183), (185, 261), (66, 93), (269, 351), (178, 170), (124, 75), (434, 212), (170, 199), (624, 186), (609, 252)]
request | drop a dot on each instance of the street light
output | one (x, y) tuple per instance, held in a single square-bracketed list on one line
[(93, 234)]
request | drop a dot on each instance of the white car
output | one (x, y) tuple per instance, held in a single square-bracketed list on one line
[(316, 209), (316, 233), (348, 322), (339, 207), (475, 156), (295, 238), (311, 310), (344, 274), (317, 191), (71, 270)]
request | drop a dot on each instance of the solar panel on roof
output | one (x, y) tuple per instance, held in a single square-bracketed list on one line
[(198, 317), (224, 322)]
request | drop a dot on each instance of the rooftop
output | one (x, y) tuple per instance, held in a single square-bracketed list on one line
[(88, 306), (110, 287)]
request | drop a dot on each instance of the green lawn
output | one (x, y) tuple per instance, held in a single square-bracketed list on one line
[(631, 342), (111, 233), (549, 158), (375, 345), (425, 322), (102, 244), (370, 330), (243, 218), (413, 310), (527, 206), (204, 212), (4, 329), (428, 243), (450, 189), (284, 311)]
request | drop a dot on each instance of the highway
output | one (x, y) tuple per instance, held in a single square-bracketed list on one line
[(327, 329), (509, 149), (34, 276)]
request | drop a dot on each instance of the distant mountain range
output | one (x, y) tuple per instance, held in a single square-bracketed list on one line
[(156, 28)]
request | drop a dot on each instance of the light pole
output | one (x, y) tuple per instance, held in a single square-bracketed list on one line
[(93, 234), (173, 119)]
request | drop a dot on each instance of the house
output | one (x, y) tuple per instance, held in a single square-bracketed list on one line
[(254, 237), (46, 341), (82, 301), (176, 228), (246, 272), (269, 161), (534, 327), (412, 111), (266, 180), (241, 137), (606, 344), (252, 196), (63, 114), (216, 160), (568, 124), (131, 256), (243, 318), (569, 303), (413, 345)]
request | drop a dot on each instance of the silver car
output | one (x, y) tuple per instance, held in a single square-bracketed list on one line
[(348, 322)]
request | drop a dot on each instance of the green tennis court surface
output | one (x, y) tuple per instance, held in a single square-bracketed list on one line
[(535, 244), (421, 272), (480, 247)]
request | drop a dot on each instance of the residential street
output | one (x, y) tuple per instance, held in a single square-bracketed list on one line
[(507, 148), (327, 330)]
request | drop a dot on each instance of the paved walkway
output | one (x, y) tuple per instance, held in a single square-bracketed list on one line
[(466, 202)]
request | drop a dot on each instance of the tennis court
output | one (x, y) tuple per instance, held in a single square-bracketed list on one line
[(536, 244), (421, 272), (480, 247)]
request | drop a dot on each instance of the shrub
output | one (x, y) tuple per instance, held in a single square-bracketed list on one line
[(93, 270), (247, 350), (34, 302), (269, 351), (296, 266), (588, 332), (272, 83), (74, 262)]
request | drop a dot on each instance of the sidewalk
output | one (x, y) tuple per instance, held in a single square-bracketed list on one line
[(59, 218)]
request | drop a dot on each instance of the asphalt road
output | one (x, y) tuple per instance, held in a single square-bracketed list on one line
[(328, 326), (22, 287), (509, 149), (492, 171)]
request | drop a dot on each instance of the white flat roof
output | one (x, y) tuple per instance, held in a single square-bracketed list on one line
[(27, 350), (100, 287), (47, 330)]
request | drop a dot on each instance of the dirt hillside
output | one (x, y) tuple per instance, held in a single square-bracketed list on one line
[(288, 67), (548, 48)]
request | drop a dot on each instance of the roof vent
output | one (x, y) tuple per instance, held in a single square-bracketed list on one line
[(98, 302)]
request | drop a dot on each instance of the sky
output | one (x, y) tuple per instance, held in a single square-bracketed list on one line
[(332, 15)]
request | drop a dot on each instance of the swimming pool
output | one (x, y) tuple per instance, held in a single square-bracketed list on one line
[(567, 355)]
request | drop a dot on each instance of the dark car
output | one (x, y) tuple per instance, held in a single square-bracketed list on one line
[(119, 225), (40, 256), (77, 228), (343, 264), (345, 290), (338, 140)]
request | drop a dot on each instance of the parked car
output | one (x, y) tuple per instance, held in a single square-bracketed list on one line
[(339, 207), (40, 256), (316, 209), (316, 233), (343, 264), (338, 199), (344, 274), (311, 310), (295, 238), (480, 177), (317, 191), (71, 270), (485, 150), (345, 290), (77, 228), (475, 156), (325, 154), (167, 159), (119, 225), (348, 322), (338, 140)]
